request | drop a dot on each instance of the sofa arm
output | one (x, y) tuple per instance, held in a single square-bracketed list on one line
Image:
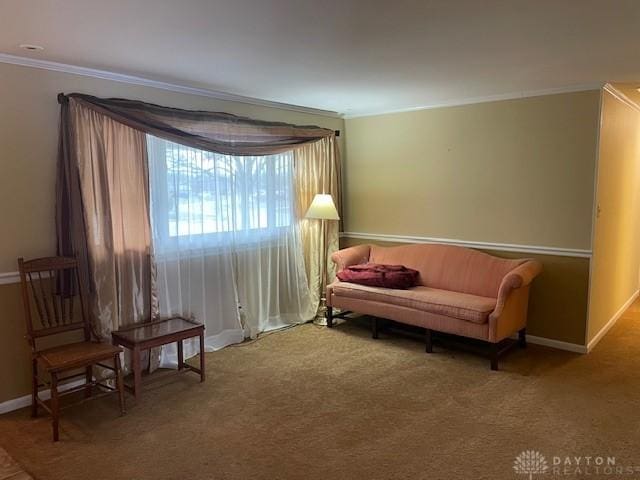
[(510, 314), (351, 256), (519, 277)]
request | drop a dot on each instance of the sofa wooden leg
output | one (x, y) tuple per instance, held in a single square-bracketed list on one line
[(429, 340), (374, 327), (329, 316), (493, 356), (522, 338)]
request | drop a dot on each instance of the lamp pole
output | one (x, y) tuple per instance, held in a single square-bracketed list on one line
[(323, 209)]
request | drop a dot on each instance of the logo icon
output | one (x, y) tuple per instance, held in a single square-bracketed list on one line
[(530, 462)]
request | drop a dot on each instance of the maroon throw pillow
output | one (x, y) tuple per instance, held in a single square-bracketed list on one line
[(377, 275)]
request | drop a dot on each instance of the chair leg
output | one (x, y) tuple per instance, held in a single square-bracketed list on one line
[(429, 340), (493, 356), (34, 388), (88, 379), (119, 383), (55, 406), (329, 314), (374, 327), (522, 338)]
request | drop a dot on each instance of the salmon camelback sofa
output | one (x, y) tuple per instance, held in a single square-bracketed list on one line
[(460, 291)]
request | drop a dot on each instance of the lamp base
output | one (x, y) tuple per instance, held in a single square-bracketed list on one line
[(321, 316), (320, 321)]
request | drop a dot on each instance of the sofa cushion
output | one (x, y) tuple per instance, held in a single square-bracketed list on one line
[(464, 306), (448, 267)]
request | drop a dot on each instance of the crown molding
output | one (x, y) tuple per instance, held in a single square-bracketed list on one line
[(486, 99), (147, 82), (503, 247), (621, 96), (230, 97)]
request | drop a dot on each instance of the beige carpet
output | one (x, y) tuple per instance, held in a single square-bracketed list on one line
[(312, 403)]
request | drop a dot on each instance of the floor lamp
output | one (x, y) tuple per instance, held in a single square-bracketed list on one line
[(323, 209)]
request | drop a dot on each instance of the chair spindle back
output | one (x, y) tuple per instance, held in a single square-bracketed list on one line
[(52, 289)]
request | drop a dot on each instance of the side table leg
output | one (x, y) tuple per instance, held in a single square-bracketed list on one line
[(202, 357), (180, 355), (137, 372)]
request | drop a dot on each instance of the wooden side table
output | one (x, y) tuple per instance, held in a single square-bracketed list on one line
[(149, 335)]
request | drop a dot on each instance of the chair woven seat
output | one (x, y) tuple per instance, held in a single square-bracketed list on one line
[(75, 355)]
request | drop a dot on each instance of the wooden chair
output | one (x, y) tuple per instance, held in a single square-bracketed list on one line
[(51, 286)]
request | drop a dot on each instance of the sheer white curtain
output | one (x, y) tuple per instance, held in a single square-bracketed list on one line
[(227, 243)]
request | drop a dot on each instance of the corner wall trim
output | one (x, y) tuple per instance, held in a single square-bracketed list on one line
[(621, 96), (25, 401), (612, 321), (505, 247), (146, 82)]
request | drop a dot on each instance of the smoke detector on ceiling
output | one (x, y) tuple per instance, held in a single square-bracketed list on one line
[(30, 47)]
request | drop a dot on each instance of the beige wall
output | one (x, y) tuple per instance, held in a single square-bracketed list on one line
[(517, 171), (616, 240), (514, 172), (28, 138), (14, 350)]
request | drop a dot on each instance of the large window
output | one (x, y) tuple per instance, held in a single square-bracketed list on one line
[(205, 198)]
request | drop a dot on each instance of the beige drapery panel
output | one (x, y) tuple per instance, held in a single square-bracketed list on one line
[(102, 209), (103, 215), (317, 170)]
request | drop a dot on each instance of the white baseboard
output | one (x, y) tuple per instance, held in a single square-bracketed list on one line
[(25, 401), (603, 331), (549, 342)]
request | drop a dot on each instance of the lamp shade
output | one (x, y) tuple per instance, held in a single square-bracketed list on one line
[(323, 208)]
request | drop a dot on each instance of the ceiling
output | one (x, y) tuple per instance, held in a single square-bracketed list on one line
[(349, 56)]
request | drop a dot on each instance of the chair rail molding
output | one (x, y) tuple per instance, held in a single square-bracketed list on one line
[(9, 277), (505, 247)]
